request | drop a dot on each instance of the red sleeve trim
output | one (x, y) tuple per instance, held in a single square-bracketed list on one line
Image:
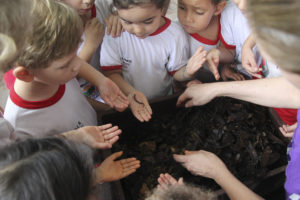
[(164, 27), (37, 104), (9, 79), (172, 72), (204, 40), (108, 68), (228, 46), (94, 13)]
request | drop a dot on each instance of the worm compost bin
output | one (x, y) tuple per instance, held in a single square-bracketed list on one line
[(240, 133)]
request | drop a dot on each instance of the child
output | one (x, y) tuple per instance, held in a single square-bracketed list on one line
[(56, 169), (144, 58), (46, 99), (234, 32), (275, 26), (268, 70), (201, 20)]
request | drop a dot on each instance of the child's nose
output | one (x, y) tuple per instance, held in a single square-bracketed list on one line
[(138, 30), (189, 17)]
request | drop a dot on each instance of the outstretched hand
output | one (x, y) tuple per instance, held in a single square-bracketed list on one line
[(213, 59), (139, 106), (195, 62), (201, 163), (112, 95), (98, 137), (112, 170), (166, 180)]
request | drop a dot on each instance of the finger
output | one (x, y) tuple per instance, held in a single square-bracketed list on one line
[(186, 152), (115, 155), (119, 28), (102, 145), (127, 173), (114, 27), (147, 106), (108, 26), (179, 158), (291, 128), (146, 116), (180, 181), (111, 130), (105, 126), (182, 98), (112, 135), (171, 179), (256, 75), (253, 64), (189, 103)]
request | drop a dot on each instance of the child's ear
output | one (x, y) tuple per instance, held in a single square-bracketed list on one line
[(219, 8), (23, 74)]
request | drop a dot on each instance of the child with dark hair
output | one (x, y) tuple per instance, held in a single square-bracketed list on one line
[(146, 57), (54, 168)]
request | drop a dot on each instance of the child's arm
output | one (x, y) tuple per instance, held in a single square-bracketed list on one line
[(248, 58), (193, 65), (228, 73), (94, 32), (138, 102), (113, 25), (109, 91)]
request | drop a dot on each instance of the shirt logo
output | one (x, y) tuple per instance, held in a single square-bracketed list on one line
[(126, 61)]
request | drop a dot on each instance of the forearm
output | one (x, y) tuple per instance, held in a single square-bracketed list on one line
[(125, 87), (181, 75), (275, 92), (235, 189), (250, 42), (226, 55), (90, 74), (86, 53)]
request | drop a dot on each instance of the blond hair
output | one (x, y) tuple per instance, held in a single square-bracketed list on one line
[(56, 32), (14, 25), (182, 192), (276, 25)]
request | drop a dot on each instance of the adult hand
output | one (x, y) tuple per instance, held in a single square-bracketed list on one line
[(213, 59), (113, 25), (195, 62), (202, 163), (112, 95), (166, 180), (196, 95), (229, 73), (98, 137), (111, 170), (139, 106)]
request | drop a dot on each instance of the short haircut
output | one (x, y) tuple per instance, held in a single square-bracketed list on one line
[(182, 192), (14, 25), (125, 4), (275, 24), (45, 169), (56, 32)]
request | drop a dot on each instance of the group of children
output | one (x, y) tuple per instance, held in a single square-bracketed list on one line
[(140, 59)]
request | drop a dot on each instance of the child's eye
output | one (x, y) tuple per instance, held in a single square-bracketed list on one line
[(127, 22), (148, 22), (199, 13), (63, 67), (180, 7)]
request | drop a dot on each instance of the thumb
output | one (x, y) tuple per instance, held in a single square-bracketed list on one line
[(179, 158), (180, 181), (116, 155), (101, 145)]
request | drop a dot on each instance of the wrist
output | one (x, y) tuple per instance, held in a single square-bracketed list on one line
[(97, 176), (185, 75)]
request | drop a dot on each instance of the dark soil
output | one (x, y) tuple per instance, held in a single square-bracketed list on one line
[(240, 133)]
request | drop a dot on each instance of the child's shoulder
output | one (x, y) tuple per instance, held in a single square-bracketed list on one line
[(230, 10)]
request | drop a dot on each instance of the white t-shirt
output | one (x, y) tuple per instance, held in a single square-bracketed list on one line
[(234, 32), (147, 64), (67, 110), (6, 132)]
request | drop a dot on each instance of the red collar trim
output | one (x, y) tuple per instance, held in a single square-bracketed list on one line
[(37, 104), (164, 27), (94, 13), (199, 38)]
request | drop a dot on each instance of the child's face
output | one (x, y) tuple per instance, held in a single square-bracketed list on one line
[(241, 4), (141, 21), (59, 71), (195, 15), (83, 7)]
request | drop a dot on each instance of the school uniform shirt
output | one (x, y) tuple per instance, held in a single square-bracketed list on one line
[(292, 184), (147, 64), (66, 110), (234, 32), (195, 41), (7, 135)]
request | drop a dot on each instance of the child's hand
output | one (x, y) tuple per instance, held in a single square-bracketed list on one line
[(166, 180), (213, 59), (193, 82), (288, 130), (229, 73), (202, 163), (249, 63), (94, 32), (112, 95), (139, 106), (111, 170), (113, 25), (195, 62), (98, 137)]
